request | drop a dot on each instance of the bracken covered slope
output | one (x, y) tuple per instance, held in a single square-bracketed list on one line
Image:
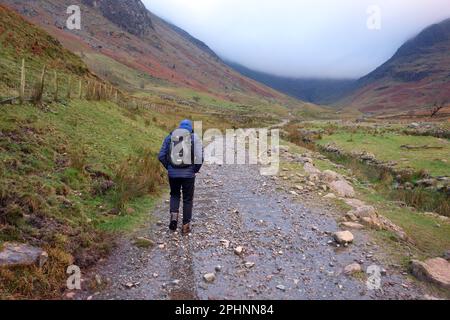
[(416, 77)]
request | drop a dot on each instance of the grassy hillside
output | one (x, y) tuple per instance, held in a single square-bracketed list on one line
[(19, 40), (71, 173)]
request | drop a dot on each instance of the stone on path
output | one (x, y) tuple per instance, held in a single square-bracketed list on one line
[(281, 287), (209, 277), (239, 250), (352, 269), (435, 270), (22, 255), (343, 237)]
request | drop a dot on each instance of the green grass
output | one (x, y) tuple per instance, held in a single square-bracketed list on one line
[(128, 222), (430, 235), (387, 147), (47, 196)]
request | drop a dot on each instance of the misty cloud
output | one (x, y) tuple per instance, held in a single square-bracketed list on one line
[(302, 38)]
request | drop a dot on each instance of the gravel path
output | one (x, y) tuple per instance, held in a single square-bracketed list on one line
[(288, 252)]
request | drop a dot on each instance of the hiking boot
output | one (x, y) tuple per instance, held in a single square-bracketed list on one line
[(173, 221), (186, 228)]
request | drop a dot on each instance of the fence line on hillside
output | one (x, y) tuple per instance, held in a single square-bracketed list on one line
[(50, 86), (42, 89)]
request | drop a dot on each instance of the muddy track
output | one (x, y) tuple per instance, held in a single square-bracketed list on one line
[(288, 242)]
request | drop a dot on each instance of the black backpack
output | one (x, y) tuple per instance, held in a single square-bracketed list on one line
[(181, 150)]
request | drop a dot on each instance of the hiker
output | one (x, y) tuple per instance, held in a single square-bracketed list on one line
[(182, 155)]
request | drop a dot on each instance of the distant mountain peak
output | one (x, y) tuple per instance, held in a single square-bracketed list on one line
[(430, 36), (130, 15)]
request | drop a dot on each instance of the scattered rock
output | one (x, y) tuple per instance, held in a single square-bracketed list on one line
[(329, 176), (98, 280), (365, 211), (114, 212), (342, 188), (310, 169), (209, 277), (352, 268), (372, 223), (249, 265), (343, 237), (70, 295), (143, 242), (352, 225), (435, 270), (447, 255), (351, 216), (355, 203), (131, 285), (22, 255), (239, 250), (218, 268), (281, 287), (330, 196), (225, 243)]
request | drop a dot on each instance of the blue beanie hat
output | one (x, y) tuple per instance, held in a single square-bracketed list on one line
[(186, 124)]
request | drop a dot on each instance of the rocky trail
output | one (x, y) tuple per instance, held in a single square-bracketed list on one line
[(252, 239)]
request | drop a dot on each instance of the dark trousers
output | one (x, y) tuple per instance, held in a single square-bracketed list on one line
[(187, 185)]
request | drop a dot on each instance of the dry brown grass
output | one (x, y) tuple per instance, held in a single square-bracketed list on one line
[(136, 177)]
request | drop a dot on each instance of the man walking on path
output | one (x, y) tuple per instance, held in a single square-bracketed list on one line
[(182, 155)]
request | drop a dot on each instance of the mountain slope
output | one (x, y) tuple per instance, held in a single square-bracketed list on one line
[(417, 76), (132, 36)]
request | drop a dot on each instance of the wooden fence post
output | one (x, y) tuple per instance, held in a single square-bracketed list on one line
[(55, 95), (69, 92), (22, 83), (80, 89), (40, 87)]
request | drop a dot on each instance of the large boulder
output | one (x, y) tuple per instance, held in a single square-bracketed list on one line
[(21, 255), (435, 270), (343, 237), (365, 212), (368, 216), (342, 188)]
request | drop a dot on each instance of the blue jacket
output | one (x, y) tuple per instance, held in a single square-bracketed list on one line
[(190, 171)]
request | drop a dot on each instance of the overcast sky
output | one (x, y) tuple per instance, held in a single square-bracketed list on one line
[(303, 38)]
